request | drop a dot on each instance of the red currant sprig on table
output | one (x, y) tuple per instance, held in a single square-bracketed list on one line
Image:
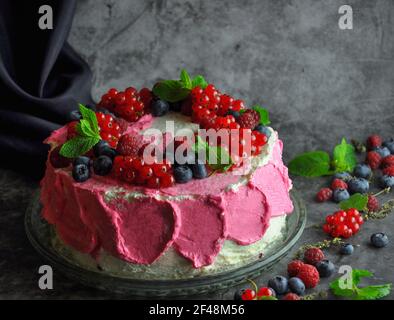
[(129, 104), (343, 224), (133, 170)]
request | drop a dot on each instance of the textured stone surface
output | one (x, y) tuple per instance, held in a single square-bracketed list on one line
[(319, 82)]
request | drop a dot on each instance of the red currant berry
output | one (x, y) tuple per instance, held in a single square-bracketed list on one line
[(145, 172), (265, 292), (248, 294), (167, 180)]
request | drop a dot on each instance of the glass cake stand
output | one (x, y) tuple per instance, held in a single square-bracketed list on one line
[(39, 233)]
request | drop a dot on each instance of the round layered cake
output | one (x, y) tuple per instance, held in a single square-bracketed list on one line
[(205, 225)]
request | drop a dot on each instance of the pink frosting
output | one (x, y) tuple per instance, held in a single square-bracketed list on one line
[(141, 230), (246, 226), (202, 230)]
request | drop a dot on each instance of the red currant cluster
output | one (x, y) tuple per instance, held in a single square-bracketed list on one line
[(250, 294), (343, 223), (109, 129), (243, 143), (134, 170), (210, 108), (129, 104)]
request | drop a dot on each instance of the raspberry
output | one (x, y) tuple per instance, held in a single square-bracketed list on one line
[(309, 275), (129, 145), (72, 129), (294, 267), (373, 142), (373, 204), (249, 119), (338, 184), (373, 159), (324, 195), (291, 296), (146, 97), (387, 161), (389, 171), (57, 160), (313, 256)]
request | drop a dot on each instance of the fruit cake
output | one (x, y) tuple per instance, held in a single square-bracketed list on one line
[(142, 185)]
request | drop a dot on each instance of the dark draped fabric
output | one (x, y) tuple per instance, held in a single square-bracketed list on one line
[(41, 80)]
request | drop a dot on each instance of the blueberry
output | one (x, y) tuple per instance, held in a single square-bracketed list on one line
[(279, 284), (107, 151), (185, 159), (379, 240), (263, 129), (159, 108), (345, 176), (102, 165), (82, 160), (81, 172), (233, 113), (358, 185), (182, 174), (362, 171), (326, 268), (199, 171), (98, 146), (346, 249), (75, 115), (386, 181), (383, 151), (389, 144), (176, 106), (340, 195), (238, 294), (296, 286)]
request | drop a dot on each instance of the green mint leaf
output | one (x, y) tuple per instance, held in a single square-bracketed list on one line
[(199, 81), (356, 201), (171, 90), (185, 79), (84, 129), (200, 145), (311, 164), (358, 274), (338, 291), (78, 146), (90, 116), (264, 115), (219, 159), (365, 293), (344, 157), (374, 292)]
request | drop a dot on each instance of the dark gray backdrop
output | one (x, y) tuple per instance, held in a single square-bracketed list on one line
[(320, 83)]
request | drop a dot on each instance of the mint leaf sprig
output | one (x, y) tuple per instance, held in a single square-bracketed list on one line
[(177, 90), (319, 163), (217, 157), (356, 293), (357, 201), (88, 135)]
